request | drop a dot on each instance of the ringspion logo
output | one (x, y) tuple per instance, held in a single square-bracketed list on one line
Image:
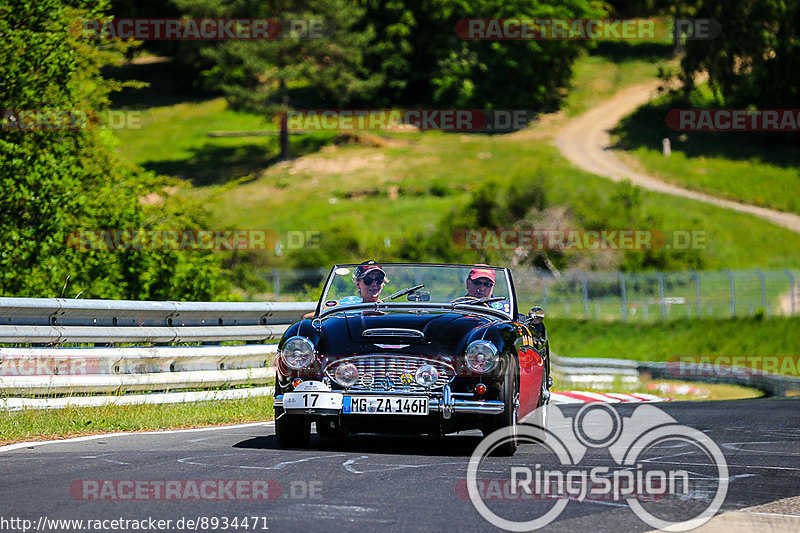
[(623, 466)]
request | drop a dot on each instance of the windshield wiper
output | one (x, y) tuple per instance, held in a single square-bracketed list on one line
[(398, 294)]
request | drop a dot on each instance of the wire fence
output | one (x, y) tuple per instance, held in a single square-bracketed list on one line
[(630, 297)]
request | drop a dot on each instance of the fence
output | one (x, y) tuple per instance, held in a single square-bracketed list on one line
[(630, 297)]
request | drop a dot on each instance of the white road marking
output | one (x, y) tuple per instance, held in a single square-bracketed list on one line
[(348, 465), (195, 461), (103, 458), (737, 446)]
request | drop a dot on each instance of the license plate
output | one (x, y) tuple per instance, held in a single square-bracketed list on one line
[(385, 405), (312, 400)]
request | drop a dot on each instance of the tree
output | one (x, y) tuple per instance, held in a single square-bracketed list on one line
[(755, 60), (259, 74), (424, 61), (56, 181)]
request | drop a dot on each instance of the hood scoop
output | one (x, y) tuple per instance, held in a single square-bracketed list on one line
[(393, 332)]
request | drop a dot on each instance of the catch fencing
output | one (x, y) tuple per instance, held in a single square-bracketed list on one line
[(627, 296)]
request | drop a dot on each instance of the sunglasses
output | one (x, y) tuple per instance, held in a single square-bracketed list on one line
[(487, 284), (370, 281)]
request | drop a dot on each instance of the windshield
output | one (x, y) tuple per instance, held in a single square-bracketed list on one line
[(442, 284)]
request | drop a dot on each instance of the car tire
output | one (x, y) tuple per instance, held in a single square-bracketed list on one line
[(292, 431), (508, 418)]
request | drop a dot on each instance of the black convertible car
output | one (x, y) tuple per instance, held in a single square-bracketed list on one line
[(411, 348)]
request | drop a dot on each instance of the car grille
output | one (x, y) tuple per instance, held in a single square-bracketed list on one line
[(391, 366)]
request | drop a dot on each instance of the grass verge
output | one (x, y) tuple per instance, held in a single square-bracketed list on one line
[(662, 341), (43, 424), (674, 390)]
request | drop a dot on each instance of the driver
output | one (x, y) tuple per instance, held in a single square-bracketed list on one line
[(369, 279), (480, 282)]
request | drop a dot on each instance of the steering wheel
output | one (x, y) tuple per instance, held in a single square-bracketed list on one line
[(465, 300)]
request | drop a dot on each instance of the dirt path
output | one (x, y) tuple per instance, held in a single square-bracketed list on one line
[(585, 141)]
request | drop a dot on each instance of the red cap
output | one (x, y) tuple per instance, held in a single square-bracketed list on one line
[(476, 273)]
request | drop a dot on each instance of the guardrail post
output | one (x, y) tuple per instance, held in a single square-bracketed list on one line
[(696, 277), (584, 294), (791, 289), (733, 292), (763, 289), (623, 296), (661, 296)]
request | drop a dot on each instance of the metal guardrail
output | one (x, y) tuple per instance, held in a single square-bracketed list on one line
[(769, 384), (43, 367)]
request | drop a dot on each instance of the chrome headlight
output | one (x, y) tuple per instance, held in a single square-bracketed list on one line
[(298, 352), (481, 356), (346, 375), (426, 376)]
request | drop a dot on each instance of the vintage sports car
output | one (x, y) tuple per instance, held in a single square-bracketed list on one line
[(425, 358)]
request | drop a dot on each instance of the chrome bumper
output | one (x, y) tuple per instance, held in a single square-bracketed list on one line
[(447, 404)]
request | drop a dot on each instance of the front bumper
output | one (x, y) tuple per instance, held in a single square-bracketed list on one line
[(445, 402)]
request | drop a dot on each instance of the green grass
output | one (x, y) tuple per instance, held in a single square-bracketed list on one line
[(750, 167), (660, 342), (405, 185), (665, 388), (352, 186), (612, 66), (42, 424)]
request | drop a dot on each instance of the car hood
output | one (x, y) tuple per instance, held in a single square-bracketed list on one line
[(442, 330)]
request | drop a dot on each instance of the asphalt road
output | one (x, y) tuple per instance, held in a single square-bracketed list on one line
[(376, 483)]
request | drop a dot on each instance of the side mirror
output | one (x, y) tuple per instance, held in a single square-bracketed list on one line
[(419, 296), (536, 315)]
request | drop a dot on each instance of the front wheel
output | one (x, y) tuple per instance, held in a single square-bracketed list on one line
[(292, 431), (508, 418)]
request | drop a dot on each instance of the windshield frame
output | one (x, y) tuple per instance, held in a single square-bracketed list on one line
[(322, 311)]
